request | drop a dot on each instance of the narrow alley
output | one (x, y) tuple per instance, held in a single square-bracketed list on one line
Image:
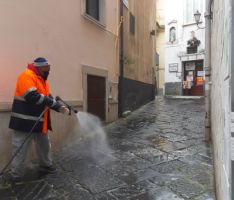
[(157, 153)]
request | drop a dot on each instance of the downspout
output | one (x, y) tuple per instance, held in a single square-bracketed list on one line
[(121, 63), (208, 16)]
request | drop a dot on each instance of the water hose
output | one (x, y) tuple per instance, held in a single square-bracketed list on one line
[(26, 138)]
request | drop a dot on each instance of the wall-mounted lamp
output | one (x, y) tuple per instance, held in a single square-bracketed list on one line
[(208, 14), (197, 16), (152, 32)]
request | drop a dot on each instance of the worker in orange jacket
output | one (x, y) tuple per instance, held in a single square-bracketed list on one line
[(32, 96)]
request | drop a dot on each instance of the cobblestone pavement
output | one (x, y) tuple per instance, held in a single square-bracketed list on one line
[(158, 153)]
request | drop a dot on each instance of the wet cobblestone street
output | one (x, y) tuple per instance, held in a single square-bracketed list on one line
[(157, 153)]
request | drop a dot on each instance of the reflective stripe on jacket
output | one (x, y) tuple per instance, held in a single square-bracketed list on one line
[(31, 98)]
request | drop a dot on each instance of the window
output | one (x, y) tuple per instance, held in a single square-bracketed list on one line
[(157, 59), (132, 24), (191, 6), (92, 9), (172, 35)]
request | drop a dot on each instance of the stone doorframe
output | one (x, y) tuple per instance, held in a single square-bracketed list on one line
[(88, 70)]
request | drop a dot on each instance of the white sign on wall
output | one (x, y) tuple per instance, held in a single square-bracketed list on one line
[(190, 66), (200, 73), (173, 67)]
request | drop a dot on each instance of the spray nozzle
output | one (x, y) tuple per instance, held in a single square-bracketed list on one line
[(57, 98)]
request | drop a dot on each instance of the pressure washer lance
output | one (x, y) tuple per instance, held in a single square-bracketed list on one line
[(71, 108), (26, 138)]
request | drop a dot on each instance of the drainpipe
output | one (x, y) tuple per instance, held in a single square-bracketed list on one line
[(208, 16), (121, 63)]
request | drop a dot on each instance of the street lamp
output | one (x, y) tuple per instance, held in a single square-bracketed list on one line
[(197, 16)]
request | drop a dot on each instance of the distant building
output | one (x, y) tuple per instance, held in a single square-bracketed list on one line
[(184, 48)]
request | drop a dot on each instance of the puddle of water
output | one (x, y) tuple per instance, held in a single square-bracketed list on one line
[(159, 141), (93, 135)]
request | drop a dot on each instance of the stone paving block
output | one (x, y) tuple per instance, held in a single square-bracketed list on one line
[(77, 192), (197, 158), (164, 179), (153, 155), (193, 141), (162, 194), (165, 145), (192, 169), (94, 178), (137, 176), (62, 182), (45, 192), (7, 194), (206, 196), (174, 137), (186, 188), (204, 179), (28, 190), (131, 160), (134, 191), (183, 153), (171, 167), (105, 196), (124, 146)]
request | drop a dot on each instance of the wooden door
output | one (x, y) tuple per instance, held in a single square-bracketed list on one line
[(196, 74), (96, 93)]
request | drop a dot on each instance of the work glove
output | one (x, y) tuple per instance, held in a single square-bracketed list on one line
[(64, 110)]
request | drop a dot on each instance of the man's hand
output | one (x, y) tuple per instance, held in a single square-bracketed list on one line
[(64, 110)]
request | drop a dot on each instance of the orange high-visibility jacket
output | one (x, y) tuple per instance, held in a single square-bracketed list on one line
[(32, 95)]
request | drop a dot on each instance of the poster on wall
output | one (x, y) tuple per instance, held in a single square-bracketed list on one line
[(190, 66), (189, 78), (200, 73), (190, 73), (173, 67)]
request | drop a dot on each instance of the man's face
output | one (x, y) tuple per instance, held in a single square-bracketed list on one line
[(44, 70)]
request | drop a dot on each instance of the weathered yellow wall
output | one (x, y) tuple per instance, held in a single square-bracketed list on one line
[(139, 49)]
